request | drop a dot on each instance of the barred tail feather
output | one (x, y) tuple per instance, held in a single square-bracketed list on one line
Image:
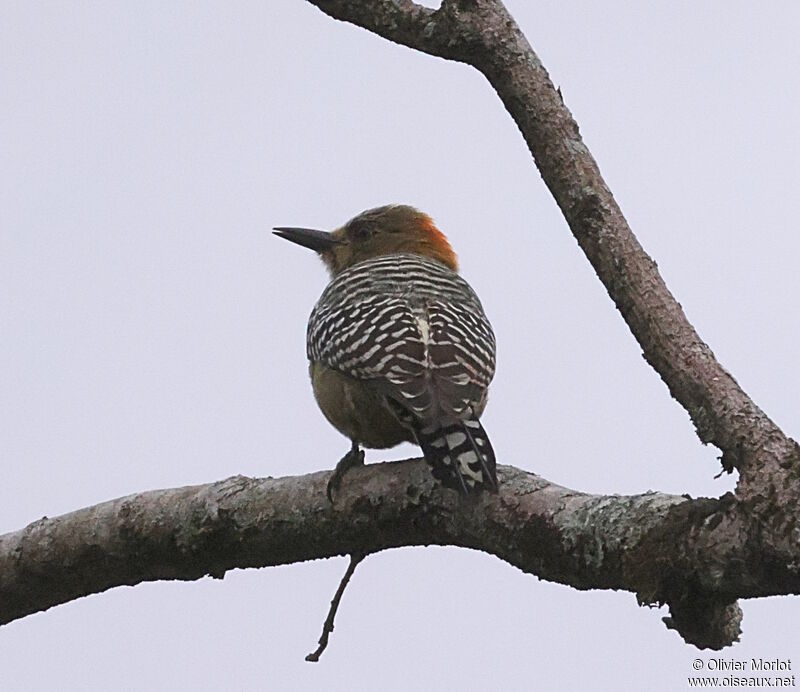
[(460, 455)]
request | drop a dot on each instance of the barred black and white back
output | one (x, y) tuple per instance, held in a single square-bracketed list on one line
[(417, 330)]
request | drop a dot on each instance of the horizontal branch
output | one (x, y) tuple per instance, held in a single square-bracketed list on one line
[(697, 555)]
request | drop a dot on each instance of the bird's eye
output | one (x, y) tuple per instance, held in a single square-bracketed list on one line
[(361, 231)]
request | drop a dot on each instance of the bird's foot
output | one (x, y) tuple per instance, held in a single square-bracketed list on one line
[(355, 457)]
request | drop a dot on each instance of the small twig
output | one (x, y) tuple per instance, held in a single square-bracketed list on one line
[(327, 626)]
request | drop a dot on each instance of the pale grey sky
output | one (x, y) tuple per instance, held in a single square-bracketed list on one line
[(153, 329)]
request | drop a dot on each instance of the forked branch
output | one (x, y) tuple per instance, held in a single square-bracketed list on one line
[(697, 555)]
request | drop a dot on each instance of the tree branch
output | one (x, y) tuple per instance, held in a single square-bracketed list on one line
[(666, 549), (327, 626), (698, 556), (483, 34)]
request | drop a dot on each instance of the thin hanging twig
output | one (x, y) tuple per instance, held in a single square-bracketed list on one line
[(327, 626)]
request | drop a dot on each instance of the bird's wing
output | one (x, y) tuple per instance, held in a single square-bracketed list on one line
[(432, 358), (412, 326), (376, 337), (461, 355)]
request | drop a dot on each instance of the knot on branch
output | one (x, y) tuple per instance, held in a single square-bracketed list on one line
[(706, 623), (456, 31), (589, 214)]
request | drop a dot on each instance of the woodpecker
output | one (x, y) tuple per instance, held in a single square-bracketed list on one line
[(399, 346)]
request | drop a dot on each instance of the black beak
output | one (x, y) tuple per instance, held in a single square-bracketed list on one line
[(319, 241)]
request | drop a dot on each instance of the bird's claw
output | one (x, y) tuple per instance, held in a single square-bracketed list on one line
[(355, 457)]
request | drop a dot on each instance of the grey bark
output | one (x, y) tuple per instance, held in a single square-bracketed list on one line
[(696, 555), (661, 547)]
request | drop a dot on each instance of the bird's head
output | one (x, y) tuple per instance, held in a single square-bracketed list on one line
[(388, 230)]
